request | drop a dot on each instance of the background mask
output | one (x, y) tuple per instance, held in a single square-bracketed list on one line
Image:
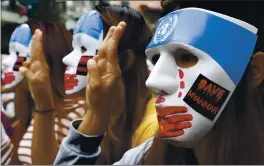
[(19, 53), (87, 37)]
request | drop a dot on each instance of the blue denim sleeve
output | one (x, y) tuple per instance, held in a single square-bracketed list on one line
[(77, 148)]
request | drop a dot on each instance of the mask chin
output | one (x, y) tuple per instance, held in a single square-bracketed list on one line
[(75, 85), (18, 79)]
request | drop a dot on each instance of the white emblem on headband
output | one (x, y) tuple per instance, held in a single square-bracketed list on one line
[(165, 28)]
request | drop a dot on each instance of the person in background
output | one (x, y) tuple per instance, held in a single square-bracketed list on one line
[(13, 80), (7, 148), (52, 109), (133, 126), (7, 97), (8, 153)]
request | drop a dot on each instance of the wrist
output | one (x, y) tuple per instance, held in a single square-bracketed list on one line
[(94, 124), (47, 104), (44, 111)]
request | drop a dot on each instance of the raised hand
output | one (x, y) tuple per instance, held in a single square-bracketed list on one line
[(37, 72), (104, 86), (104, 89)]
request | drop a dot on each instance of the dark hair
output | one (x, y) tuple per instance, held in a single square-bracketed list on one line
[(136, 37), (137, 34), (237, 136)]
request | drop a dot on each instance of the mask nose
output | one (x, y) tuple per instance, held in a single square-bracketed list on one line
[(163, 77), (71, 58), (162, 84)]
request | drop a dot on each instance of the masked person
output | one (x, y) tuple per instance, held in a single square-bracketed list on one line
[(7, 97), (14, 82), (7, 148), (8, 153), (137, 123), (44, 93), (200, 92)]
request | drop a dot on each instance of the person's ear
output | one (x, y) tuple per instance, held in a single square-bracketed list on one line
[(257, 64), (129, 60)]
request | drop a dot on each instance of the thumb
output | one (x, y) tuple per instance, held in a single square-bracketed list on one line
[(27, 63), (26, 73)]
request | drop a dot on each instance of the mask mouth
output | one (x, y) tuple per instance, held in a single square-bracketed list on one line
[(168, 118), (168, 111), (9, 77), (82, 65), (19, 63), (160, 98), (70, 81)]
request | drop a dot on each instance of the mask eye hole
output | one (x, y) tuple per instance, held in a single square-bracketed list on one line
[(185, 59), (155, 58), (83, 49), (17, 53)]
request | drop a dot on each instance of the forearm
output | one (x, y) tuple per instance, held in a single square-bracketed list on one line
[(44, 144)]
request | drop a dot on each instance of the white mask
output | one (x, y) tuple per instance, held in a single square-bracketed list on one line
[(150, 65), (87, 37), (19, 52), (222, 47)]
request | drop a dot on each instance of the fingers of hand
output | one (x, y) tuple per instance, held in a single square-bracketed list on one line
[(173, 130), (171, 134), (36, 46), (94, 79), (175, 118), (27, 64), (38, 34), (113, 42), (38, 66), (109, 33), (163, 111), (26, 73), (103, 47), (174, 125)]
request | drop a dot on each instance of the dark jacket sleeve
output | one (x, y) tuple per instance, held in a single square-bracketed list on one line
[(77, 148)]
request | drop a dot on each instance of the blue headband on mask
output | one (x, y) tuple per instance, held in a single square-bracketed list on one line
[(22, 35), (229, 44), (90, 24)]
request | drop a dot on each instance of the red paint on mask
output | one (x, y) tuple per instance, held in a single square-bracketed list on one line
[(170, 118), (180, 94), (9, 77), (159, 100), (181, 74), (70, 81), (182, 84)]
